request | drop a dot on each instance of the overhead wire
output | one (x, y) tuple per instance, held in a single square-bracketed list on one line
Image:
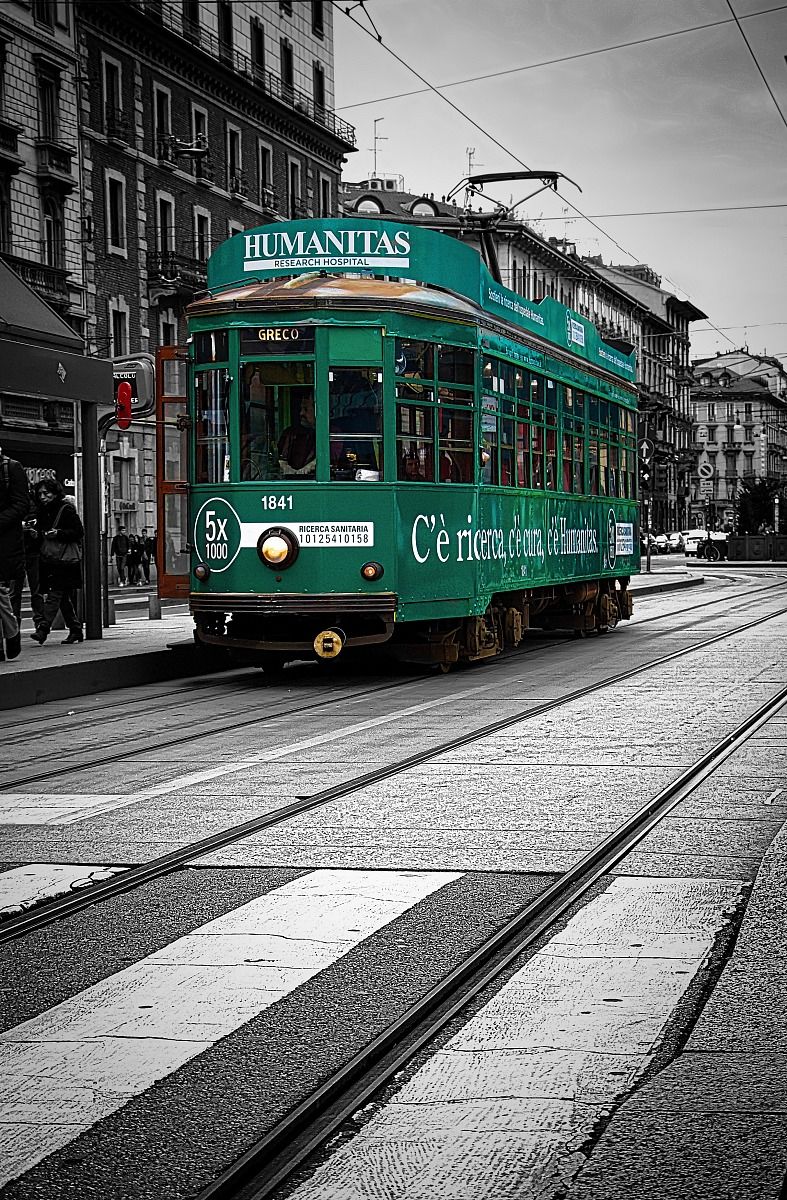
[(432, 88)]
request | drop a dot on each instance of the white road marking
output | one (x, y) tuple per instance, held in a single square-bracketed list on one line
[(87, 1057), (24, 887), (50, 808), (502, 1110)]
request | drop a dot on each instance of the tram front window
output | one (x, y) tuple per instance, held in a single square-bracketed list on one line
[(277, 424), (356, 415), (212, 441)]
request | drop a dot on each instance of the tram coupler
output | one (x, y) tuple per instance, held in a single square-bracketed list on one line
[(329, 643)]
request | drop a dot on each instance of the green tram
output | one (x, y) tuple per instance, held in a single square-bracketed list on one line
[(370, 442)]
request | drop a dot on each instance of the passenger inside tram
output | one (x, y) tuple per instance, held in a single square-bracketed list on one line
[(298, 442)]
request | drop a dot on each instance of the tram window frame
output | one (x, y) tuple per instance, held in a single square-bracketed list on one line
[(211, 463), (370, 443), (415, 446), (272, 464), (211, 346)]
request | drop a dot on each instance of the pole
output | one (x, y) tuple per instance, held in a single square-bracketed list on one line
[(91, 500), (103, 427)]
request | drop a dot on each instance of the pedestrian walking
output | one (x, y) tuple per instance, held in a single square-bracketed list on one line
[(119, 551), (61, 533), (32, 565), (14, 507), (148, 554), (134, 560)]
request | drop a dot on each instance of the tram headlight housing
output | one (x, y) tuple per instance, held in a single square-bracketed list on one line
[(371, 571), (202, 572), (277, 548)]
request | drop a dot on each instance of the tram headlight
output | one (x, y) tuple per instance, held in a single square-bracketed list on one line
[(371, 571), (202, 571), (277, 548)]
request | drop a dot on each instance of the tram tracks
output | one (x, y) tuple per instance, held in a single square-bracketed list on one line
[(284, 1148), (59, 909), (237, 719)]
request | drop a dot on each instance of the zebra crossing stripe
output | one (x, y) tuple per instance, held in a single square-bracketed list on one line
[(74, 1065), (23, 887), (504, 1108)]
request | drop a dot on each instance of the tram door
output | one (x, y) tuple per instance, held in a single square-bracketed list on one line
[(172, 443)]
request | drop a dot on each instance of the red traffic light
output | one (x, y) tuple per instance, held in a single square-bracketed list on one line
[(123, 405)]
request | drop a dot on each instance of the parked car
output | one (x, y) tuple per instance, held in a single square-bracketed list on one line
[(662, 543), (676, 542), (710, 544)]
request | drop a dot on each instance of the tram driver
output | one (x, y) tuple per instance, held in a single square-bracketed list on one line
[(298, 442)]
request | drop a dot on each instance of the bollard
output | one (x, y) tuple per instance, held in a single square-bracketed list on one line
[(154, 608), (111, 611)]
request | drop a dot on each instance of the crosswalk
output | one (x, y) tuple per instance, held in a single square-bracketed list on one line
[(507, 1102)]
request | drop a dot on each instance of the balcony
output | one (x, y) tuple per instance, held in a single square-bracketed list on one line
[(203, 170), (238, 185), (270, 84), (165, 149), (54, 165), (268, 200), (177, 274), (10, 158), (116, 124), (51, 283)]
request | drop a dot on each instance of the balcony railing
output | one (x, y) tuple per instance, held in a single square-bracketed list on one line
[(268, 199), (10, 158), (116, 124), (269, 83), (49, 282), (54, 164), (181, 273), (238, 185)]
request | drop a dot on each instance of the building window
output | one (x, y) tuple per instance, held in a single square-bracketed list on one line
[(191, 27), (287, 69), (115, 200), (285, 6), (165, 223), (257, 31), (325, 196), (234, 160), (5, 214), (118, 328), (234, 227), (294, 190), (54, 250), (318, 86), (61, 13), (162, 122), (199, 125), (265, 160), (711, 412), (48, 106), (44, 12), (168, 328), (201, 234), (225, 29), (318, 18)]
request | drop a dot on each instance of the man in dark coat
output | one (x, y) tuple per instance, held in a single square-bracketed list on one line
[(14, 506), (119, 551)]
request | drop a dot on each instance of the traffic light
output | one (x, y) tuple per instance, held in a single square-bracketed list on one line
[(123, 405), (644, 476)]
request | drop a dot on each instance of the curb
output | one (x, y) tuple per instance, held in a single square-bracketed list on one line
[(178, 661), (672, 585)]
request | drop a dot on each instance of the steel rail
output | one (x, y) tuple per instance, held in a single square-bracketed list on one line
[(285, 1147), (225, 726), (67, 906)]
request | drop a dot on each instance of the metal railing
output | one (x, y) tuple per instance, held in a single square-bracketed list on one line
[(269, 83), (50, 282), (167, 266)]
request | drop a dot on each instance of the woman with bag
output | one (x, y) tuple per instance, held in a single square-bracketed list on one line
[(61, 532)]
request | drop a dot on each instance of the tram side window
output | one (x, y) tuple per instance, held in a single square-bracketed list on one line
[(490, 472), (415, 443), (593, 465), (414, 362), (455, 364), (456, 457), (537, 452), (212, 426), (211, 347), (356, 420), (277, 421)]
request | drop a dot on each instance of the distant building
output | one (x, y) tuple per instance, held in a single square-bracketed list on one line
[(740, 422)]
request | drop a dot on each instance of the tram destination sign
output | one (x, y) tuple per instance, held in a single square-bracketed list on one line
[(277, 339)]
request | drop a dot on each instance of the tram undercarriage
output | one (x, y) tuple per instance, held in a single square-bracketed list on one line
[(272, 630)]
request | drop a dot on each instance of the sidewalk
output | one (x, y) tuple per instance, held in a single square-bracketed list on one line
[(137, 650)]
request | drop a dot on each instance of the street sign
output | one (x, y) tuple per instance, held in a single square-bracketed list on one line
[(705, 471), (706, 487), (646, 449)]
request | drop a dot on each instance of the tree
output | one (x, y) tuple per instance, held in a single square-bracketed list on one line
[(754, 504)]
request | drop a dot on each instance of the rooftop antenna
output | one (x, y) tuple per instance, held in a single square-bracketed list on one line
[(378, 137), (470, 152)]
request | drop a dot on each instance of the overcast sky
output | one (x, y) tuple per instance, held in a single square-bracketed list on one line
[(683, 121)]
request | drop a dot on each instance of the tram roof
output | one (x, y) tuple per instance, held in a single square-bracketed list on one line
[(348, 290)]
